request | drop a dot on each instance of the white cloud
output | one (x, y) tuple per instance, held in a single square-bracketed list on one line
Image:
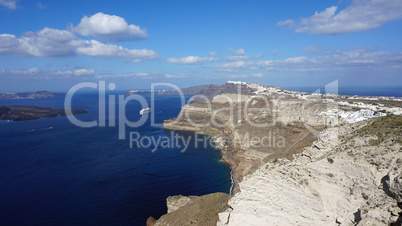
[(213, 53), (55, 43), (10, 4), (191, 60), (362, 59), (127, 75), (175, 76), (96, 48), (36, 73), (358, 60), (141, 74), (83, 72), (233, 66), (295, 60), (289, 22), (241, 57), (240, 52), (47, 42), (109, 27), (202, 60), (360, 15), (30, 71)]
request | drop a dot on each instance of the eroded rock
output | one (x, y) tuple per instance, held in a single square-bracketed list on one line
[(193, 210)]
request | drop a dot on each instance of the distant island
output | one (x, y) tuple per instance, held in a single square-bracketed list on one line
[(186, 91), (31, 95), (23, 113)]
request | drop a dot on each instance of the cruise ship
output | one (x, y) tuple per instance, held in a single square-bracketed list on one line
[(145, 111)]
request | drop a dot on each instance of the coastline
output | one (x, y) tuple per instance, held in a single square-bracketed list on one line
[(298, 119), (223, 157)]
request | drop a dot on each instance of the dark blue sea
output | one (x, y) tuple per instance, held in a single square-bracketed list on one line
[(55, 173)]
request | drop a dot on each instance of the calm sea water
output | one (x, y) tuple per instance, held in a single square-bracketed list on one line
[(53, 172)]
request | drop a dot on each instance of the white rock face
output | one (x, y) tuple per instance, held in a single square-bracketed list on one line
[(175, 202), (332, 182)]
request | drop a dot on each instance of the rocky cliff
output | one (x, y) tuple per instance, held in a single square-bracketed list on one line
[(351, 175), (295, 165), (252, 130)]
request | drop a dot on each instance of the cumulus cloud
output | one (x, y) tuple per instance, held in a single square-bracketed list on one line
[(360, 15), (96, 48), (191, 60), (47, 42), (50, 42), (9, 4), (233, 66), (109, 27)]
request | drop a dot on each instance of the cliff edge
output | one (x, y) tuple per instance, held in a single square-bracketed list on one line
[(303, 159), (350, 176)]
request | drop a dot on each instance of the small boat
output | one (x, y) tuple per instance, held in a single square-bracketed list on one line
[(145, 111)]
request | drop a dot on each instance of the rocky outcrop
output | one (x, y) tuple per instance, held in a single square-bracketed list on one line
[(336, 181), (192, 210), (251, 130), (393, 183)]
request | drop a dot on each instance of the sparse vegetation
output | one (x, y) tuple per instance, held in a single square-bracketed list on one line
[(383, 127)]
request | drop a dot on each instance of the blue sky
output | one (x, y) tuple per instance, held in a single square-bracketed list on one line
[(53, 45)]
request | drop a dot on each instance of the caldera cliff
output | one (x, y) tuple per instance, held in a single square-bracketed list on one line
[(296, 158)]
